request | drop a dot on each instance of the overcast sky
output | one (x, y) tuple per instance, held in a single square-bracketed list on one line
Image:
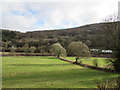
[(24, 15)]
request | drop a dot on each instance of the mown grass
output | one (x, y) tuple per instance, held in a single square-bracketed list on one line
[(49, 72)]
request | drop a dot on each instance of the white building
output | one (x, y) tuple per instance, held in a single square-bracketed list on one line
[(107, 51)]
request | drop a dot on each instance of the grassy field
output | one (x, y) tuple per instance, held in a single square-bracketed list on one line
[(102, 62), (22, 53), (49, 72)]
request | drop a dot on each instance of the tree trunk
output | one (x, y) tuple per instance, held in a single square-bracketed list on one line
[(117, 61), (58, 56), (76, 59)]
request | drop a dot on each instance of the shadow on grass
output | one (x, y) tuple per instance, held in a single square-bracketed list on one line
[(71, 77), (51, 58), (71, 74), (39, 64)]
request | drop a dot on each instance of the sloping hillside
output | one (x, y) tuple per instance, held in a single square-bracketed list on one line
[(94, 35)]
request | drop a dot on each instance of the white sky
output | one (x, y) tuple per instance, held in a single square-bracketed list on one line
[(31, 15)]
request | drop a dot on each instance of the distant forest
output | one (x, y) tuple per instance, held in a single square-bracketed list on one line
[(96, 36)]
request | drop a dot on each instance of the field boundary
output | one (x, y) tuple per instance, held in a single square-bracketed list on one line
[(7, 55), (88, 66)]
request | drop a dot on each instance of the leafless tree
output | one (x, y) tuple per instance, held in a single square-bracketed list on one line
[(112, 28)]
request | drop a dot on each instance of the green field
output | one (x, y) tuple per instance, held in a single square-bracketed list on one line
[(49, 72), (102, 62)]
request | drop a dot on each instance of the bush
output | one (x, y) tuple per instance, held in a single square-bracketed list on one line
[(113, 84), (95, 63)]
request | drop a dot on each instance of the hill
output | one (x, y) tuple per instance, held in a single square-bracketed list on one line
[(94, 35)]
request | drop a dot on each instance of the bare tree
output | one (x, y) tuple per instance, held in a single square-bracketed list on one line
[(112, 27)]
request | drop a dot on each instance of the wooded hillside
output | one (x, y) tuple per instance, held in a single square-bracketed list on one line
[(94, 35)]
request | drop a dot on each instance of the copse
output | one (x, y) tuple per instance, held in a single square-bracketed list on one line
[(78, 49), (58, 50)]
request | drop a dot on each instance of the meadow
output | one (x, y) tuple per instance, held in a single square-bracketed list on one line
[(49, 72), (101, 61)]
